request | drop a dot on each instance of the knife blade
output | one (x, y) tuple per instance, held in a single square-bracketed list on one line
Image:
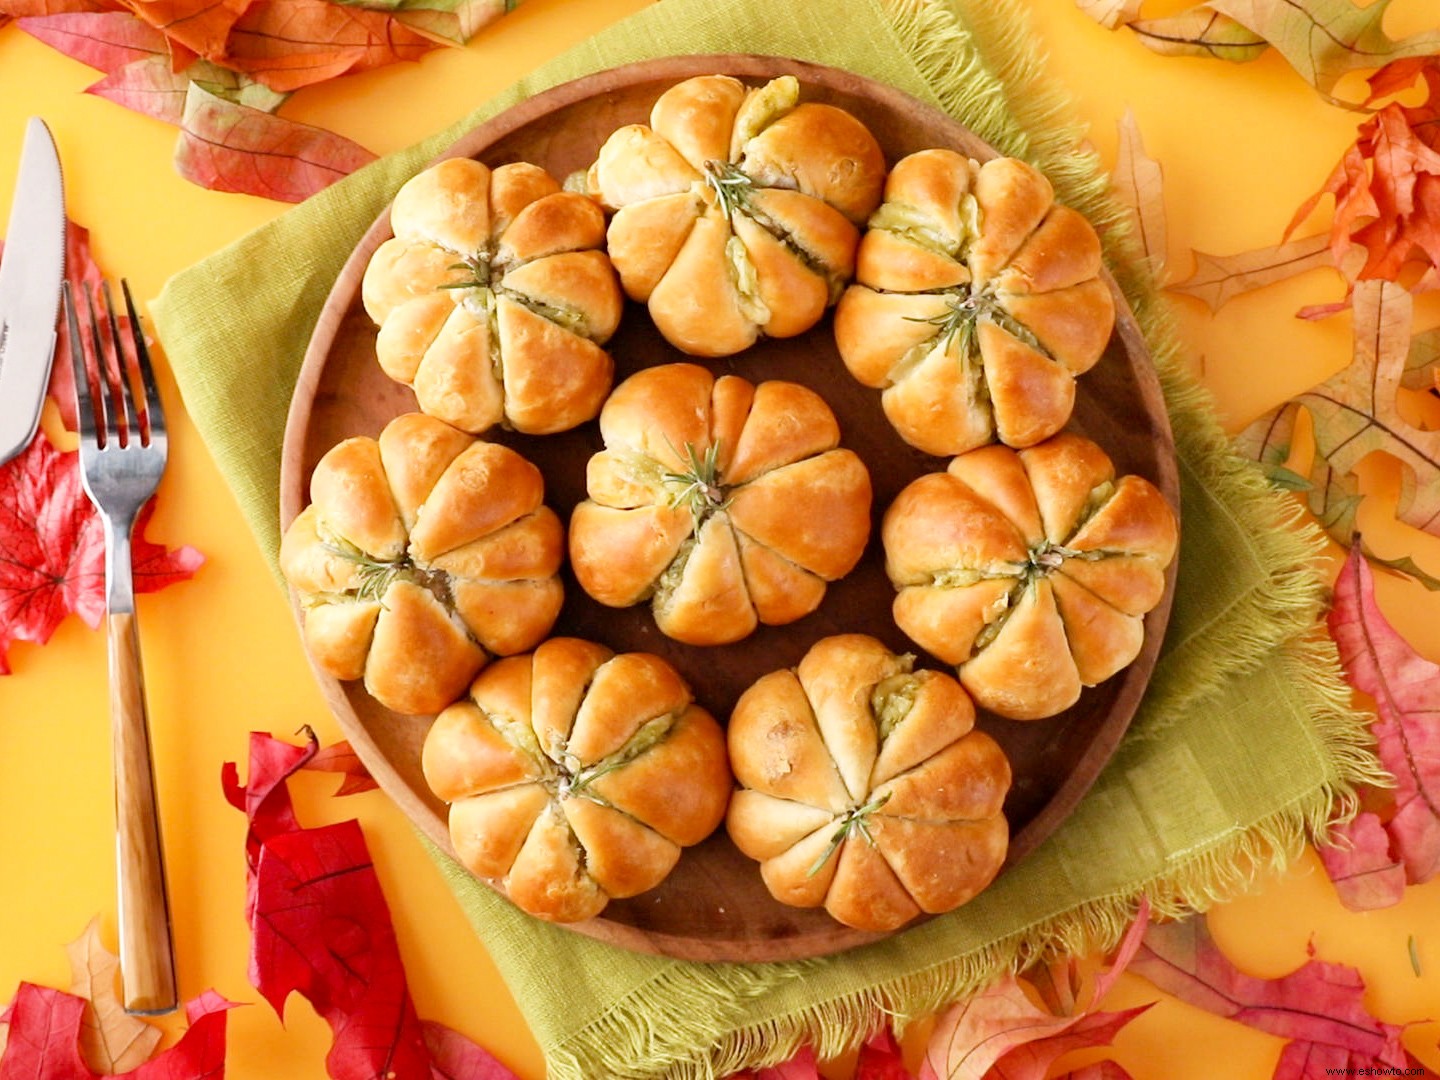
[(31, 273)]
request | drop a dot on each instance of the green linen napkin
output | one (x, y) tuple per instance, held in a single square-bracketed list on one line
[(1245, 746)]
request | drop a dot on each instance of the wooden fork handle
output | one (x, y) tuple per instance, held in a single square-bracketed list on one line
[(147, 959)]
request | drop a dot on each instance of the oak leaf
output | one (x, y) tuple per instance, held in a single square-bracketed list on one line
[(1355, 413), (1111, 13), (320, 927), (1000, 1032), (1218, 279), (1319, 1007), (226, 146), (1200, 31), (1139, 184), (52, 548), (111, 1040), (1406, 690)]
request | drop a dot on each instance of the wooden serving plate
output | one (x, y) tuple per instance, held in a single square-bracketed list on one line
[(714, 906)]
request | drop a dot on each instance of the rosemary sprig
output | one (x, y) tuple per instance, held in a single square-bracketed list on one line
[(731, 186), (856, 820), (700, 488), (375, 576), (476, 266)]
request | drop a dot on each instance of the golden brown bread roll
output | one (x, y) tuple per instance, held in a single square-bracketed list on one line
[(977, 301), (736, 209), (1029, 570), (575, 775), (420, 554), (863, 786), (494, 298), (724, 503)]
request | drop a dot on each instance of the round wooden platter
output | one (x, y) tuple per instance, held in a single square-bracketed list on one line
[(714, 906)]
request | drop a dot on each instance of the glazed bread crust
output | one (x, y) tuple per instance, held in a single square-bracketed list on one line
[(864, 786)]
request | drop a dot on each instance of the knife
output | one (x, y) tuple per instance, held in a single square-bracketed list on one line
[(31, 271)]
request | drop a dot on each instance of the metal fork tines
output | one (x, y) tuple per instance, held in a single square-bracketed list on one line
[(123, 447)]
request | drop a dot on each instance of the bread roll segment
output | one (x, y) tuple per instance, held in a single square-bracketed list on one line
[(575, 775), (864, 787), (1030, 570)]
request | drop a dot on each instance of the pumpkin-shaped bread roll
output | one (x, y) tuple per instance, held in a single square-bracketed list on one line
[(1029, 570), (421, 554), (737, 209), (575, 775), (977, 301), (494, 298), (725, 504), (865, 787)]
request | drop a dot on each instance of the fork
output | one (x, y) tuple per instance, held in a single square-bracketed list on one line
[(122, 455)]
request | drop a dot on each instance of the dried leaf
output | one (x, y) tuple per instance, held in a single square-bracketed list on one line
[(225, 146), (1323, 40), (321, 928), (1200, 31), (1111, 13), (295, 43), (1217, 279), (1355, 413), (1422, 362), (1099, 1070), (111, 1040), (454, 1057), (1406, 689), (1140, 185), (52, 548), (153, 88), (1359, 862), (45, 1028), (880, 1058), (455, 21), (202, 26), (104, 40), (341, 758), (1000, 1028), (1320, 1005)]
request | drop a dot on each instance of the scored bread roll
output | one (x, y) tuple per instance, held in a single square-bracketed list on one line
[(574, 775), (421, 554), (725, 504), (736, 209), (864, 787), (1031, 571), (977, 301), (494, 298)]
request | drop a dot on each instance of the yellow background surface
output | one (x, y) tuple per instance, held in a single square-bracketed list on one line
[(1241, 147)]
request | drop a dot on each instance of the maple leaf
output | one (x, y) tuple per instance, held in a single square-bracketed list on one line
[(1323, 40), (1319, 1007), (1001, 1033), (320, 927), (1355, 413), (45, 1034), (226, 146), (1406, 690), (52, 548)]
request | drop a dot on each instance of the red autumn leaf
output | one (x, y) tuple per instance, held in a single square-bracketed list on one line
[(802, 1066), (104, 40), (202, 26), (52, 548), (320, 927), (1365, 872), (225, 146), (287, 44), (1387, 185), (1319, 1005), (454, 1057), (148, 87), (22, 9), (1001, 1032), (1406, 689), (880, 1058), (84, 277), (341, 758), (44, 1038)]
